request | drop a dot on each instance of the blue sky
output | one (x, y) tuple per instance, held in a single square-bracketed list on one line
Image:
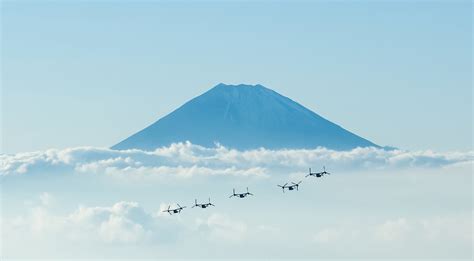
[(82, 73)]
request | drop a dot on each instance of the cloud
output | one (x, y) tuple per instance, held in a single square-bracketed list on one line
[(392, 230), (124, 222), (46, 199), (328, 235), (366, 215), (222, 227), (454, 228), (186, 160)]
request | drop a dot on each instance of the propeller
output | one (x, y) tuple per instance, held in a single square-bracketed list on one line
[(325, 172), (248, 193), (210, 204), (282, 187), (296, 184)]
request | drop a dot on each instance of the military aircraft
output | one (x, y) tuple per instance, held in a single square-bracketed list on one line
[(174, 211), (203, 205), (290, 187), (241, 195), (318, 174)]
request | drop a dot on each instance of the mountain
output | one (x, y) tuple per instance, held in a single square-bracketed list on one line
[(244, 117)]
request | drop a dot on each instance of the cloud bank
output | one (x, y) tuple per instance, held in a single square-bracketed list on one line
[(127, 223), (186, 160), (122, 223)]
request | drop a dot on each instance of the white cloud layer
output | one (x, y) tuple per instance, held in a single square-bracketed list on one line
[(423, 211), (222, 227), (123, 222), (452, 228), (187, 160), (126, 223)]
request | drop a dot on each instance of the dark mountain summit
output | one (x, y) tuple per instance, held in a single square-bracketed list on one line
[(244, 117)]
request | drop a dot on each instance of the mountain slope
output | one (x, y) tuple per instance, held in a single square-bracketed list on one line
[(244, 117)]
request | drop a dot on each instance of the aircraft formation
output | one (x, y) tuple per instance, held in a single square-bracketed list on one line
[(293, 186)]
